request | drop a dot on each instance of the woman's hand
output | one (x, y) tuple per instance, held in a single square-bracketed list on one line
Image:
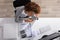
[(28, 20)]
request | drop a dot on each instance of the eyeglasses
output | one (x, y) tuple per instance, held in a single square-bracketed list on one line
[(32, 17)]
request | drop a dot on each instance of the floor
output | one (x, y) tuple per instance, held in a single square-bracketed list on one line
[(49, 8)]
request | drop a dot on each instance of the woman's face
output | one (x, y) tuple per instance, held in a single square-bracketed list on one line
[(31, 14)]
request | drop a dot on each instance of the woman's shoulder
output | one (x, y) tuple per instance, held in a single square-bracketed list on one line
[(20, 7)]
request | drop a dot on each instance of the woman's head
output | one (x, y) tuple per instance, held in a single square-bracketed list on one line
[(32, 8)]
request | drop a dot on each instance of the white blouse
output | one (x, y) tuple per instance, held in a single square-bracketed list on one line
[(23, 25)]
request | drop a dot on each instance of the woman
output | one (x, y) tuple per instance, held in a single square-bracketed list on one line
[(30, 11), (25, 16)]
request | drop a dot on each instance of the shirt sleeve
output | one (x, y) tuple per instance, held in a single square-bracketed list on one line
[(18, 14)]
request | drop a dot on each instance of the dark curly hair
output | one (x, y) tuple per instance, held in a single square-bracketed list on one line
[(32, 6)]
